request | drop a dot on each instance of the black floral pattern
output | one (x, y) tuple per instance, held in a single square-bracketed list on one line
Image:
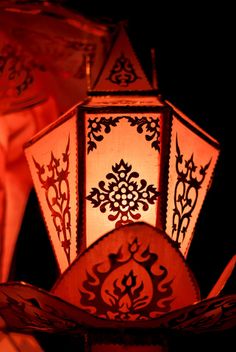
[(123, 195)]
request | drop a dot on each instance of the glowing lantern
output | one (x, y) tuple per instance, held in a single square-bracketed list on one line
[(121, 156)]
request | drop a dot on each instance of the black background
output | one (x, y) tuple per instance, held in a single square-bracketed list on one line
[(195, 70)]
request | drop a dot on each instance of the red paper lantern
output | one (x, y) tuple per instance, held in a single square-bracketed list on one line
[(121, 156), (121, 179)]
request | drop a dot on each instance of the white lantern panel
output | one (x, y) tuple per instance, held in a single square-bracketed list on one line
[(193, 157), (53, 164), (122, 170)]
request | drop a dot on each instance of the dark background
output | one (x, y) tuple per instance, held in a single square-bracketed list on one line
[(194, 65)]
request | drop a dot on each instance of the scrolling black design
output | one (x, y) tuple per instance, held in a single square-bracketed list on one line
[(97, 126), (123, 72), (189, 181), (123, 195), (56, 185)]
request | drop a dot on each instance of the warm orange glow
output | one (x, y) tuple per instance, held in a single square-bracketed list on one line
[(122, 71), (120, 176), (128, 166), (136, 158)]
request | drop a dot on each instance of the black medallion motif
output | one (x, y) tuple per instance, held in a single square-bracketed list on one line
[(123, 195)]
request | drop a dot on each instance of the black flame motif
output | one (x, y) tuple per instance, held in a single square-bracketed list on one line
[(130, 288)]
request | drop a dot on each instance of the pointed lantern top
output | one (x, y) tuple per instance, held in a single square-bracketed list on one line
[(122, 72)]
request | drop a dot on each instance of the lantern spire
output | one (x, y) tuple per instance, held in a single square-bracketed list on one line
[(122, 71)]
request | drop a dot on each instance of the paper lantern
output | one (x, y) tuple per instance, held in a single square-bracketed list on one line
[(123, 155), (121, 179)]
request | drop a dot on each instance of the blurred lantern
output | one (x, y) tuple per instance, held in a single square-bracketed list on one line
[(121, 156), (128, 164), (43, 48)]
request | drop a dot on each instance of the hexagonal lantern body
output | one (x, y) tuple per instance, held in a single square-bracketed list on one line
[(121, 156)]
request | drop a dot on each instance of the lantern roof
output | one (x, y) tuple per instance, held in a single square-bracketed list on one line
[(122, 71)]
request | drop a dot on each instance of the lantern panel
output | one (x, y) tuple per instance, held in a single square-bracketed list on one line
[(122, 170), (53, 164), (193, 156)]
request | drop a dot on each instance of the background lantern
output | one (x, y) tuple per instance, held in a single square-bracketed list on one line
[(43, 47), (121, 156)]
